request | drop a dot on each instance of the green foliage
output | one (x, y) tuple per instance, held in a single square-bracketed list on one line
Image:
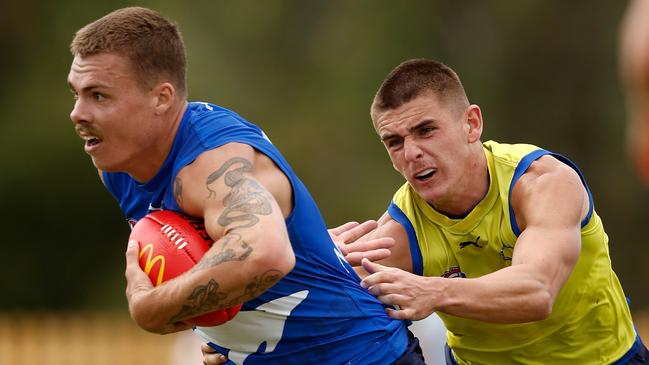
[(543, 72)]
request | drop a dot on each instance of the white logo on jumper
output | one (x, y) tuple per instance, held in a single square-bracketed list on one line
[(249, 329), (341, 258), (207, 106), (154, 208)]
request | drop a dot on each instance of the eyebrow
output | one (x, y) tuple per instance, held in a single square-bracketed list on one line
[(387, 136), (423, 123), (88, 87)]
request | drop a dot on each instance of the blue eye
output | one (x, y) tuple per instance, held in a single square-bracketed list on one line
[(98, 96)]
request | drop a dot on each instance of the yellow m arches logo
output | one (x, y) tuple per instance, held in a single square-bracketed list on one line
[(151, 261)]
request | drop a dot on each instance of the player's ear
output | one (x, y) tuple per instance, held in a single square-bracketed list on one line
[(473, 123), (165, 95)]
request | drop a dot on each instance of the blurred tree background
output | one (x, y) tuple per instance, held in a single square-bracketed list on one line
[(543, 72)]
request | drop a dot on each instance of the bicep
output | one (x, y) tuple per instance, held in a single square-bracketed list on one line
[(549, 202), (222, 187), (251, 250)]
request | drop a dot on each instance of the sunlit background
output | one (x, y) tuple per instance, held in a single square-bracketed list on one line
[(544, 72)]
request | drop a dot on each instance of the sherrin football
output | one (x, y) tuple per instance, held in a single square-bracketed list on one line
[(170, 244)]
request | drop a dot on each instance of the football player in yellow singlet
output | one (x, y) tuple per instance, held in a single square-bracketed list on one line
[(501, 240)]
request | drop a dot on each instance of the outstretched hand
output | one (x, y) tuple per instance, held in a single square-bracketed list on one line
[(413, 296), (350, 240)]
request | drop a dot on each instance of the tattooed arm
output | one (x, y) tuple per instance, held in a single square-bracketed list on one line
[(244, 199)]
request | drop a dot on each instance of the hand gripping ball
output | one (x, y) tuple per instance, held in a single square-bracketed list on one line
[(170, 244)]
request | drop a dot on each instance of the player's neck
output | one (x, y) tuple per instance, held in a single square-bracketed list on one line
[(470, 191), (150, 162)]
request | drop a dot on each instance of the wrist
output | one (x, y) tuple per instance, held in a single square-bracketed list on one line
[(140, 311), (442, 298)]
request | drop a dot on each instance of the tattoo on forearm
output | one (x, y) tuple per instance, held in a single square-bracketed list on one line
[(207, 298), (259, 285), (232, 248), (178, 192), (202, 299), (247, 198)]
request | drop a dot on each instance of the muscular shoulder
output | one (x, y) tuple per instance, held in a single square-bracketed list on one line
[(548, 186), (195, 183), (549, 168)]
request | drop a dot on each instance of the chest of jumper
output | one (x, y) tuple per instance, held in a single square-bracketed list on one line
[(486, 246)]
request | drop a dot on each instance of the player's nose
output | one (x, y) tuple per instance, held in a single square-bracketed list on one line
[(412, 150), (78, 113)]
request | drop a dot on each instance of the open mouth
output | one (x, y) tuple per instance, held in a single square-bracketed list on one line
[(425, 175), (91, 141)]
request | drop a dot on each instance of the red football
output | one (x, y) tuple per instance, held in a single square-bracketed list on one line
[(170, 244)]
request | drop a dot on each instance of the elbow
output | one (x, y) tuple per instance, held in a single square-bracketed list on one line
[(276, 262), (148, 324), (542, 306), (286, 261), (281, 263), (143, 316)]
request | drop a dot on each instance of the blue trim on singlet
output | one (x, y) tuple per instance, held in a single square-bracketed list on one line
[(522, 167), (634, 348), (415, 252), (450, 359), (632, 351)]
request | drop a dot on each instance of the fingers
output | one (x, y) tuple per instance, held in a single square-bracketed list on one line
[(207, 349), (373, 244), (335, 233), (345, 238), (388, 294), (137, 282), (214, 359), (136, 279), (340, 229), (381, 290), (398, 288), (358, 231), (371, 268), (374, 249), (402, 306), (210, 356), (355, 258), (399, 302), (132, 251), (380, 278), (399, 314)]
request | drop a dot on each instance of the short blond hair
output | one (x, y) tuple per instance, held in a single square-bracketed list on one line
[(150, 41)]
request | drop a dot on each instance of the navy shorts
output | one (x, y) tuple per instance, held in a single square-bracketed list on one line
[(413, 354)]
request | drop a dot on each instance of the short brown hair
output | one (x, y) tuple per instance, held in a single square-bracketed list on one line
[(412, 78), (151, 42)]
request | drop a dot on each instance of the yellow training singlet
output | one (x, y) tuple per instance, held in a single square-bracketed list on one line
[(590, 321)]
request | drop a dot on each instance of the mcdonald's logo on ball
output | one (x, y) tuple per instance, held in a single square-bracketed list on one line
[(170, 244)]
